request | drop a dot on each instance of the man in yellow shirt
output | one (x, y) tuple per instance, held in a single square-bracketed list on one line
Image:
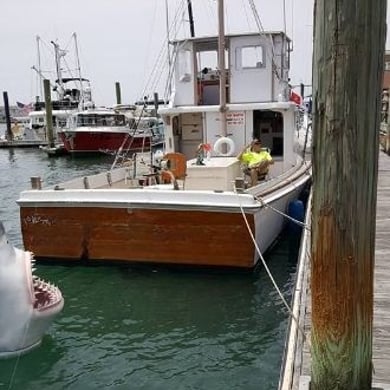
[(256, 160)]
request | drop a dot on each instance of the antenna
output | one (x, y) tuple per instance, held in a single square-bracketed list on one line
[(79, 69), (39, 65)]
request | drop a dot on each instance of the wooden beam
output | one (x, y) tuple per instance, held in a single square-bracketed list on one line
[(349, 42), (49, 113)]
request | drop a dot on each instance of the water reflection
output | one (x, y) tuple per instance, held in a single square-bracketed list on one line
[(11, 155)]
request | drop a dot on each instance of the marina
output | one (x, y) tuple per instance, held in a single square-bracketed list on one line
[(231, 234)]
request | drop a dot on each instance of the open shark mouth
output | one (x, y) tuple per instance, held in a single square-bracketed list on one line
[(46, 295), (28, 303)]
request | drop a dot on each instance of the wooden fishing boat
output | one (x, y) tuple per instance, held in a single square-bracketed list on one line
[(187, 208)]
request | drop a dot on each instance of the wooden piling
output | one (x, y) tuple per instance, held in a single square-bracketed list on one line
[(118, 93), (49, 115), (8, 133), (155, 101), (349, 41)]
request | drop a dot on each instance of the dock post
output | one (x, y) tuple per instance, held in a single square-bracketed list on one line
[(156, 103), (36, 182), (118, 93), (349, 42), (8, 134), (49, 115)]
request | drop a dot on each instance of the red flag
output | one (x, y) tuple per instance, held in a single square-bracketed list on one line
[(296, 98)]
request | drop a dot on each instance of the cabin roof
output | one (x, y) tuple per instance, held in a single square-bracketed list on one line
[(276, 106), (212, 38)]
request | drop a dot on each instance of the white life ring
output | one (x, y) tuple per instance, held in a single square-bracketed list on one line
[(222, 141)]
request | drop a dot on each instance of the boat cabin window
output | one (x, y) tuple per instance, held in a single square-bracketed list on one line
[(60, 121), (146, 125), (208, 77), (250, 57), (185, 65), (100, 120)]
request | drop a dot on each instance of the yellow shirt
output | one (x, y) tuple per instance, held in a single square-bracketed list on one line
[(252, 158)]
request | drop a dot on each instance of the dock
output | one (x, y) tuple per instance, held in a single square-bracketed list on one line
[(296, 367), (21, 144)]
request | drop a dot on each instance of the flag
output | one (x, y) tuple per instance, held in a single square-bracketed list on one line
[(24, 108), (296, 98)]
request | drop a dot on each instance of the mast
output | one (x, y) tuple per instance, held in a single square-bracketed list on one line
[(58, 69), (191, 18), (79, 68), (221, 66), (168, 47), (39, 66)]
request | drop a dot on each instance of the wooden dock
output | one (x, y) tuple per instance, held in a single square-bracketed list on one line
[(21, 144), (295, 373)]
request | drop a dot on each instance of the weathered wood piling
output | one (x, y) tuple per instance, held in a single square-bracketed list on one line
[(349, 41)]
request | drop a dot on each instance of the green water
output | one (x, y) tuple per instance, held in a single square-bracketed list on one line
[(148, 327)]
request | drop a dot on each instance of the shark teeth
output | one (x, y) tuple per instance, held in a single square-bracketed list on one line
[(46, 294)]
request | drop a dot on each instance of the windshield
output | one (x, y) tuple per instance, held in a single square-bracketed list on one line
[(100, 120)]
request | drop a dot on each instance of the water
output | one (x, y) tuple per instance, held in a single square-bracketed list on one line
[(148, 327)]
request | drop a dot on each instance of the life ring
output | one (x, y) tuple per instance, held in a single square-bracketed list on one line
[(224, 141)]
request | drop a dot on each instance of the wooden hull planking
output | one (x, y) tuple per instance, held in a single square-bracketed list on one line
[(203, 238)]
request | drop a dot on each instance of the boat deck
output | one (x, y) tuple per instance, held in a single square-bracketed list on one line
[(297, 365)]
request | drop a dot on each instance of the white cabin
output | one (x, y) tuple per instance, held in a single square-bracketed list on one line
[(257, 69), (257, 95)]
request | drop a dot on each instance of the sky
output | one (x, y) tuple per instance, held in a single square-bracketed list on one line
[(125, 41)]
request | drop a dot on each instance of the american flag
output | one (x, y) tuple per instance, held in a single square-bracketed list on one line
[(24, 108)]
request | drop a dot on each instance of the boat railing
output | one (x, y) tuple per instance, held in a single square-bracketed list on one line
[(99, 180)]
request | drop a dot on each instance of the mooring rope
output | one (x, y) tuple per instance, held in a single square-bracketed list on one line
[(267, 268), (12, 379), (265, 204)]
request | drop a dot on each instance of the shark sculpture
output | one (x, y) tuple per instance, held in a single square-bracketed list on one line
[(28, 304)]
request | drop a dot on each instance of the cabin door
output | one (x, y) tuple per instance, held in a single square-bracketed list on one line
[(191, 133)]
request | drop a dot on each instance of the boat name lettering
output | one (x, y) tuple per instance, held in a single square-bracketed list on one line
[(36, 220)]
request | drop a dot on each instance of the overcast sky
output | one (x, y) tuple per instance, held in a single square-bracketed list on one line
[(120, 40)]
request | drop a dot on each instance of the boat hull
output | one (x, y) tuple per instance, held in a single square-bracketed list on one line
[(158, 233), (138, 235), (97, 142)]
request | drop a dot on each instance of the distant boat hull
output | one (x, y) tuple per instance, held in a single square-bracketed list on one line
[(102, 141)]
